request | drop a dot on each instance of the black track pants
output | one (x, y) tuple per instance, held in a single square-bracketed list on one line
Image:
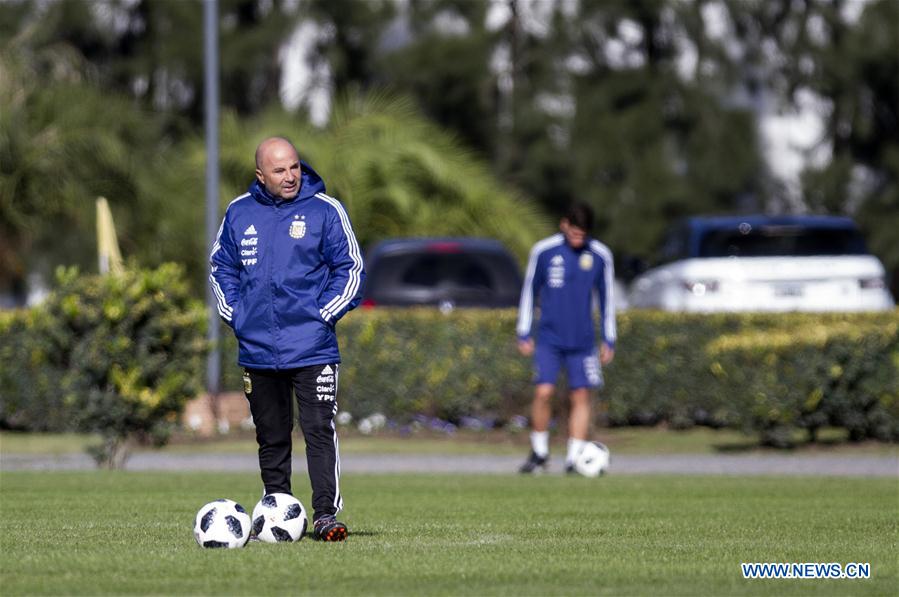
[(270, 394)]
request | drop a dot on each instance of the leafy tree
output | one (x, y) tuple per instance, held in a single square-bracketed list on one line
[(152, 50), (636, 106), (409, 177), (447, 69), (596, 109), (352, 31), (648, 143), (856, 70), (63, 143)]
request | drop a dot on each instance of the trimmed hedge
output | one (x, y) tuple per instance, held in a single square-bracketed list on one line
[(843, 374), (772, 374), (418, 361), (116, 355), (101, 346)]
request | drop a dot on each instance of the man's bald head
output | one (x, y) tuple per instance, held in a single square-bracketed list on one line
[(278, 167), (272, 144)]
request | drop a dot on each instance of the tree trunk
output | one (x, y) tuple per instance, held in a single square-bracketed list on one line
[(112, 453)]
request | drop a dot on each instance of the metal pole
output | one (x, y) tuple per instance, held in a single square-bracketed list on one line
[(211, 67)]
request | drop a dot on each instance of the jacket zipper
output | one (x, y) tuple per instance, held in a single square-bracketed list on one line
[(271, 284)]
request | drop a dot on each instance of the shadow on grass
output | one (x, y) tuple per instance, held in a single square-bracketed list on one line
[(804, 445), (363, 534), (350, 535), (736, 447)]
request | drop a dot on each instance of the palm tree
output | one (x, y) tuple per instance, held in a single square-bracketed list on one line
[(397, 174), (401, 175), (63, 142)]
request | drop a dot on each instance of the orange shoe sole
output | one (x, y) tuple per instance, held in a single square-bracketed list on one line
[(338, 533)]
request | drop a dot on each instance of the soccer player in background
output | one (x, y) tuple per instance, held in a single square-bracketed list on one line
[(569, 274), (285, 268)]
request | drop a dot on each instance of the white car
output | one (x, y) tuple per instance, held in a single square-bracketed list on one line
[(764, 263)]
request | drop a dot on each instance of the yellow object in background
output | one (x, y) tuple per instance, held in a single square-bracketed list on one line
[(107, 242)]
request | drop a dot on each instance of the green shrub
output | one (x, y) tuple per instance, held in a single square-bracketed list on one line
[(30, 396), (117, 355), (835, 373)]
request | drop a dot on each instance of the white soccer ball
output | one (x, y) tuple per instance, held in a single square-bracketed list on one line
[(593, 460), (222, 523), (279, 517)]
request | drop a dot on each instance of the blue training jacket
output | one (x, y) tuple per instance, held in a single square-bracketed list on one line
[(567, 283), (284, 272)]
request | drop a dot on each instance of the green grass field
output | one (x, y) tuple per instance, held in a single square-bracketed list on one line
[(130, 533)]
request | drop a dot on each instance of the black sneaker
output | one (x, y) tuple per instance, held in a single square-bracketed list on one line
[(533, 463), (328, 528)]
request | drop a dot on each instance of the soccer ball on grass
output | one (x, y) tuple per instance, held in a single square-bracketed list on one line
[(279, 517), (593, 460), (222, 523)]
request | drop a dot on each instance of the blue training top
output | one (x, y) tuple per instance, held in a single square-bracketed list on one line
[(568, 283)]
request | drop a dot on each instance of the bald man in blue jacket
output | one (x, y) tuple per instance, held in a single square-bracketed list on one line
[(285, 267)]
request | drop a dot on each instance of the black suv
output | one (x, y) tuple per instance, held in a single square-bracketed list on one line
[(442, 272)]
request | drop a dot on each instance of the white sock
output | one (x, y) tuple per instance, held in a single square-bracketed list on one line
[(540, 443), (574, 449)]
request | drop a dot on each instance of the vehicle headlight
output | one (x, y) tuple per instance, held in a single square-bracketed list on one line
[(871, 283), (700, 287)]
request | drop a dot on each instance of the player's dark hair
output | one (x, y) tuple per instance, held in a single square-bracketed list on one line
[(580, 215)]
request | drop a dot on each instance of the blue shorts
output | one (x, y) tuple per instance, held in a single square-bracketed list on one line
[(581, 366)]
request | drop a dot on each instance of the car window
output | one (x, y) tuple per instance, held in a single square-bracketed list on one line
[(674, 247), (469, 277), (461, 271), (776, 241)]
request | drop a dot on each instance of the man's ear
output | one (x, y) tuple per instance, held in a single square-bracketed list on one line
[(259, 176)]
